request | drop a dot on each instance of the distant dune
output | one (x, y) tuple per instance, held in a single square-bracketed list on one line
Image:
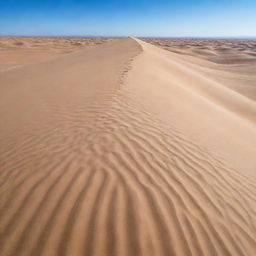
[(127, 149), (19, 51)]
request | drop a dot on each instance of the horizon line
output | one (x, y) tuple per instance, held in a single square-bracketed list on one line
[(164, 37)]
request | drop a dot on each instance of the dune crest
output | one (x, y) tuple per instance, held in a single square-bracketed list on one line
[(124, 152)]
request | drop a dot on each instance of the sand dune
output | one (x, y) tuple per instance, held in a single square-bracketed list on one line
[(125, 149), (18, 51), (234, 60)]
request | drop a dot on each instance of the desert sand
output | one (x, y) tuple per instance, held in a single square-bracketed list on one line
[(234, 59), (18, 51), (124, 148)]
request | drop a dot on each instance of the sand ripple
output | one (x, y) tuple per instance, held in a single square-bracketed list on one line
[(109, 177)]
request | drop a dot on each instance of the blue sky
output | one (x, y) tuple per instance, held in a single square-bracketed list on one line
[(196, 18)]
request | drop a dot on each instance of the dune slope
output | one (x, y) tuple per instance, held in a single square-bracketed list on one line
[(125, 149)]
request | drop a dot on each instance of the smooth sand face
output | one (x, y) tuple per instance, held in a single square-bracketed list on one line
[(126, 149), (235, 60)]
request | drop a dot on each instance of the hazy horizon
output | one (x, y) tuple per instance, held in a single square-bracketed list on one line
[(161, 37)]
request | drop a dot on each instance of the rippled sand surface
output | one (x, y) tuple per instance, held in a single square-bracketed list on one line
[(124, 148)]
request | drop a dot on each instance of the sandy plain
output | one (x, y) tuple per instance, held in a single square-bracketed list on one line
[(127, 147)]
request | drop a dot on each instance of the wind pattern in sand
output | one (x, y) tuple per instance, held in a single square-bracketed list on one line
[(98, 173)]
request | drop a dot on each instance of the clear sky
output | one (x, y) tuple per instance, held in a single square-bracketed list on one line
[(196, 18)]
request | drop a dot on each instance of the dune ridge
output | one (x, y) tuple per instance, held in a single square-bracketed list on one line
[(114, 158)]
